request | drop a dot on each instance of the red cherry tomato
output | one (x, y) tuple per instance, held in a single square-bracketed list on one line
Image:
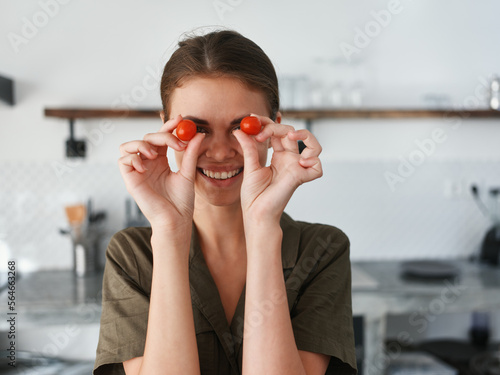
[(250, 125), (186, 130)]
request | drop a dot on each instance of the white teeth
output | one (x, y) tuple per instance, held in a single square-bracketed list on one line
[(221, 175)]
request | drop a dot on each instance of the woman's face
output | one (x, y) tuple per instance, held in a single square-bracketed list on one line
[(217, 106)]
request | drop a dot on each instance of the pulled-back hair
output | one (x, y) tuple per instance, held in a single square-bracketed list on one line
[(221, 53)]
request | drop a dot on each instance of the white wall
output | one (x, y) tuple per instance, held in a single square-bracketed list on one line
[(94, 54)]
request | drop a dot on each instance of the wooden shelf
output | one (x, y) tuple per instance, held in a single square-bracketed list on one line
[(305, 114), (388, 113), (87, 113)]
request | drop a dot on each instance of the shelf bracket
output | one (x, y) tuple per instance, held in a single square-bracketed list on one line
[(309, 124), (74, 148)]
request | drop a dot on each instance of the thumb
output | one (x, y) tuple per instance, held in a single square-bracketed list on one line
[(250, 153), (190, 158)]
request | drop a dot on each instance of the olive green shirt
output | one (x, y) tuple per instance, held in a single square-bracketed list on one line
[(317, 271)]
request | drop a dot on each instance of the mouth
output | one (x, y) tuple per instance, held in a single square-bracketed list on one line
[(218, 175)]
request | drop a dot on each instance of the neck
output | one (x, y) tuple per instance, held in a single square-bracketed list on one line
[(221, 230)]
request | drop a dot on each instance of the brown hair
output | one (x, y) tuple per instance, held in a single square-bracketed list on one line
[(220, 53)]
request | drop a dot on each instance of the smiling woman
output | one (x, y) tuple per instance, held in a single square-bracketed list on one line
[(222, 263)]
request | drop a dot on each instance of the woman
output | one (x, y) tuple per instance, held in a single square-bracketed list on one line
[(222, 265)]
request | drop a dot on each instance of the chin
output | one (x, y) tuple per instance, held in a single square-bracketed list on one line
[(217, 200)]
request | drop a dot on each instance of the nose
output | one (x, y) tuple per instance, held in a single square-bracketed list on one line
[(220, 146)]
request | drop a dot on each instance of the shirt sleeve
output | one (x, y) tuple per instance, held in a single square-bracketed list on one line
[(321, 313), (125, 304)]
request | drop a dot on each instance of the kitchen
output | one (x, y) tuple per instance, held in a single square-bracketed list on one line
[(394, 90)]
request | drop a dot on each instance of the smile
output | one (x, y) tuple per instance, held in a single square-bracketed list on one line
[(221, 175)]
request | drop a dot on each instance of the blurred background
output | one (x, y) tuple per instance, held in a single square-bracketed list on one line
[(403, 188)]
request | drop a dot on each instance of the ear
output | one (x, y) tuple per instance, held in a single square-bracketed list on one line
[(162, 115), (278, 117)]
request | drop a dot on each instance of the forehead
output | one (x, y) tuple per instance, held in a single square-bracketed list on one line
[(217, 98)]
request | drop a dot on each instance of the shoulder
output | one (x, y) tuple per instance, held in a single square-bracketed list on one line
[(130, 240), (129, 250), (319, 240)]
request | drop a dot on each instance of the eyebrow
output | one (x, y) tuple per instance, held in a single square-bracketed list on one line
[(205, 122)]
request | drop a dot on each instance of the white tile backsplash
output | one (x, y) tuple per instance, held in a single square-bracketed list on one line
[(32, 200), (415, 220)]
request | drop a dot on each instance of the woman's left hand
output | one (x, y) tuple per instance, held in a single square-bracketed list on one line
[(266, 191)]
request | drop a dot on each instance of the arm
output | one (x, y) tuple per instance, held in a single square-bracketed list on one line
[(170, 340), (269, 344), (268, 328), (167, 200)]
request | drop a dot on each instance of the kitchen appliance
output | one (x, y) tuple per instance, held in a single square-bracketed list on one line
[(86, 233), (490, 248), (429, 269), (7, 90)]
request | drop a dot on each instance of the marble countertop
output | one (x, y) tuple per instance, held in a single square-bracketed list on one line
[(385, 289), (55, 297), (378, 288)]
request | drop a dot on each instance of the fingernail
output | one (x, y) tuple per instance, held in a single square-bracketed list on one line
[(154, 152)]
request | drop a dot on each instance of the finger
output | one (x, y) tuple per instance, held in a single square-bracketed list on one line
[(312, 168), (250, 153), (264, 120), (139, 147), (275, 130), (276, 144), (190, 157), (171, 124), (167, 139), (130, 163), (313, 148)]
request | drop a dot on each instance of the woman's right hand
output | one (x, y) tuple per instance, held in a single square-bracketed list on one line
[(166, 198)]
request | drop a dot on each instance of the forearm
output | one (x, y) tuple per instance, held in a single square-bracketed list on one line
[(170, 341), (269, 344)]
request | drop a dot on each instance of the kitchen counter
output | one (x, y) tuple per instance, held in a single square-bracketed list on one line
[(55, 297), (475, 287), (60, 291), (379, 290)]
